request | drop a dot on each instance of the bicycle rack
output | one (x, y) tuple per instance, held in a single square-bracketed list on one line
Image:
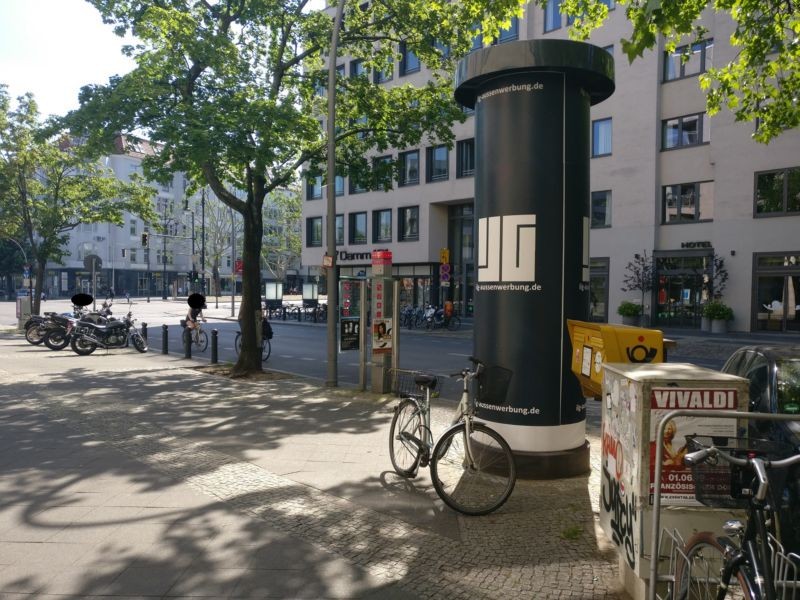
[(782, 565)]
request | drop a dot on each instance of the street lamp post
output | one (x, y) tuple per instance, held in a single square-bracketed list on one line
[(203, 241), (233, 263), (333, 279)]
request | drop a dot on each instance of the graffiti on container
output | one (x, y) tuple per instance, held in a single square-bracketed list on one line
[(620, 507)]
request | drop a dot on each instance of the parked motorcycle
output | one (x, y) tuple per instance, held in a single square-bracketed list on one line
[(54, 330), (87, 336)]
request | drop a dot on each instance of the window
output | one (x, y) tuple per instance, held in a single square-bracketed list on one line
[(443, 48), (340, 71), (382, 226), (698, 60), (408, 217), (437, 162), (358, 228), (340, 230), (314, 187), (687, 202), (357, 68), (314, 232), (601, 209), (132, 253), (355, 186), (133, 226), (409, 63), (778, 192), (383, 76), (409, 167), (477, 40), (339, 185), (691, 130), (601, 137), (510, 34), (382, 173), (552, 15), (465, 158)]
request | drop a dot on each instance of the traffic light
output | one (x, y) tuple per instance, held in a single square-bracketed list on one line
[(144, 238), (124, 252)]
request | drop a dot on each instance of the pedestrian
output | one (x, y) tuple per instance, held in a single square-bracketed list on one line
[(111, 293), (44, 296), (127, 297)]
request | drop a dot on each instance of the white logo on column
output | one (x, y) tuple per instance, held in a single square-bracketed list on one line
[(507, 248)]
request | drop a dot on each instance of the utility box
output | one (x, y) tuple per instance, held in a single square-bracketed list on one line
[(23, 310), (596, 343), (635, 399)]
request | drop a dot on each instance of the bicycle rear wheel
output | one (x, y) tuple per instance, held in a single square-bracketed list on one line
[(406, 436), (482, 486), (266, 350), (698, 578), (237, 344)]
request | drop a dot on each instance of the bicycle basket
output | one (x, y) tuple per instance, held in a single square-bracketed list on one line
[(493, 385), (719, 484), (402, 383)]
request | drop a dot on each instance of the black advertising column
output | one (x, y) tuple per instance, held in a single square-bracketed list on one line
[(532, 210)]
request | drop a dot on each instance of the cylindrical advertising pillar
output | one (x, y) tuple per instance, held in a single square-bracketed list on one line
[(532, 139)]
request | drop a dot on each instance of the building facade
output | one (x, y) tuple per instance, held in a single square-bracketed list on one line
[(196, 237), (668, 182)]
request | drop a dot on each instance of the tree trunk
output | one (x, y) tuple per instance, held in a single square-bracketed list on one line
[(250, 356), (37, 290)]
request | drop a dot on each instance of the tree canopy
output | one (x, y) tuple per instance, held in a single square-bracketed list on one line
[(233, 91), (48, 186), (761, 85)]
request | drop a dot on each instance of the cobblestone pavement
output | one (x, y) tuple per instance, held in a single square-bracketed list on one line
[(308, 464)]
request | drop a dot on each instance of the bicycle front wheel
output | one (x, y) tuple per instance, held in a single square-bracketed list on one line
[(478, 486), (699, 577), (406, 437), (202, 341), (237, 344), (266, 350)]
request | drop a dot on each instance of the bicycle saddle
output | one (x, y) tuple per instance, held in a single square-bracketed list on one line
[(428, 381)]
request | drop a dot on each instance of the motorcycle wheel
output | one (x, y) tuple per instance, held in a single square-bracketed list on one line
[(56, 339), (35, 334), (138, 342), (82, 347)]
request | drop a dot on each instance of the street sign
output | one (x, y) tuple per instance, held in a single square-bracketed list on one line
[(238, 265), (444, 255), (444, 272)]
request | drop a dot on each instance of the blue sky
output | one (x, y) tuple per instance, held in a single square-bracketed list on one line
[(53, 47)]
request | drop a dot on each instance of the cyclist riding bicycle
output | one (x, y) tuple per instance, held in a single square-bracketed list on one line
[(194, 315)]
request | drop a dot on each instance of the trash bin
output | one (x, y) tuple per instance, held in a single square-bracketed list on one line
[(635, 398)]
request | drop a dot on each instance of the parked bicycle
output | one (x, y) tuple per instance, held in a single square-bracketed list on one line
[(436, 318), (266, 336), (472, 466), (750, 562)]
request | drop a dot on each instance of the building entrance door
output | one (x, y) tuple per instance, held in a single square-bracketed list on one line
[(681, 289)]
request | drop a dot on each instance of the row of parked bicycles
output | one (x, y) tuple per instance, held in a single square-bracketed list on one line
[(315, 314), (429, 317)]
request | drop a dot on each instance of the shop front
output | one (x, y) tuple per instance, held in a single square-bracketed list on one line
[(776, 292)]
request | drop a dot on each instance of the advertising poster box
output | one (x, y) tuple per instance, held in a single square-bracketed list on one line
[(635, 399)]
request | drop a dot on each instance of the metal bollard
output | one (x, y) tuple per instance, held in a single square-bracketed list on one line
[(164, 340), (187, 343), (283, 308), (315, 314), (214, 342), (144, 331), (299, 314)]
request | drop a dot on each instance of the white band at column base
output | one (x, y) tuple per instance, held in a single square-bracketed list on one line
[(552, 438)]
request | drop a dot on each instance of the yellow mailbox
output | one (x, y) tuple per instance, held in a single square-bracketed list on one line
[(596, 343)]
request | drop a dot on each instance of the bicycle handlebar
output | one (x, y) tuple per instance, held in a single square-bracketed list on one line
[(466, 373), (758, 464)]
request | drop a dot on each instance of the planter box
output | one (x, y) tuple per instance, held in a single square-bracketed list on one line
[(705, 324), (631, 321), (719, 326)]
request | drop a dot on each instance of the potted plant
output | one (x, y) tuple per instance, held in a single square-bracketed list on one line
[(630, 312), (719, 313)]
